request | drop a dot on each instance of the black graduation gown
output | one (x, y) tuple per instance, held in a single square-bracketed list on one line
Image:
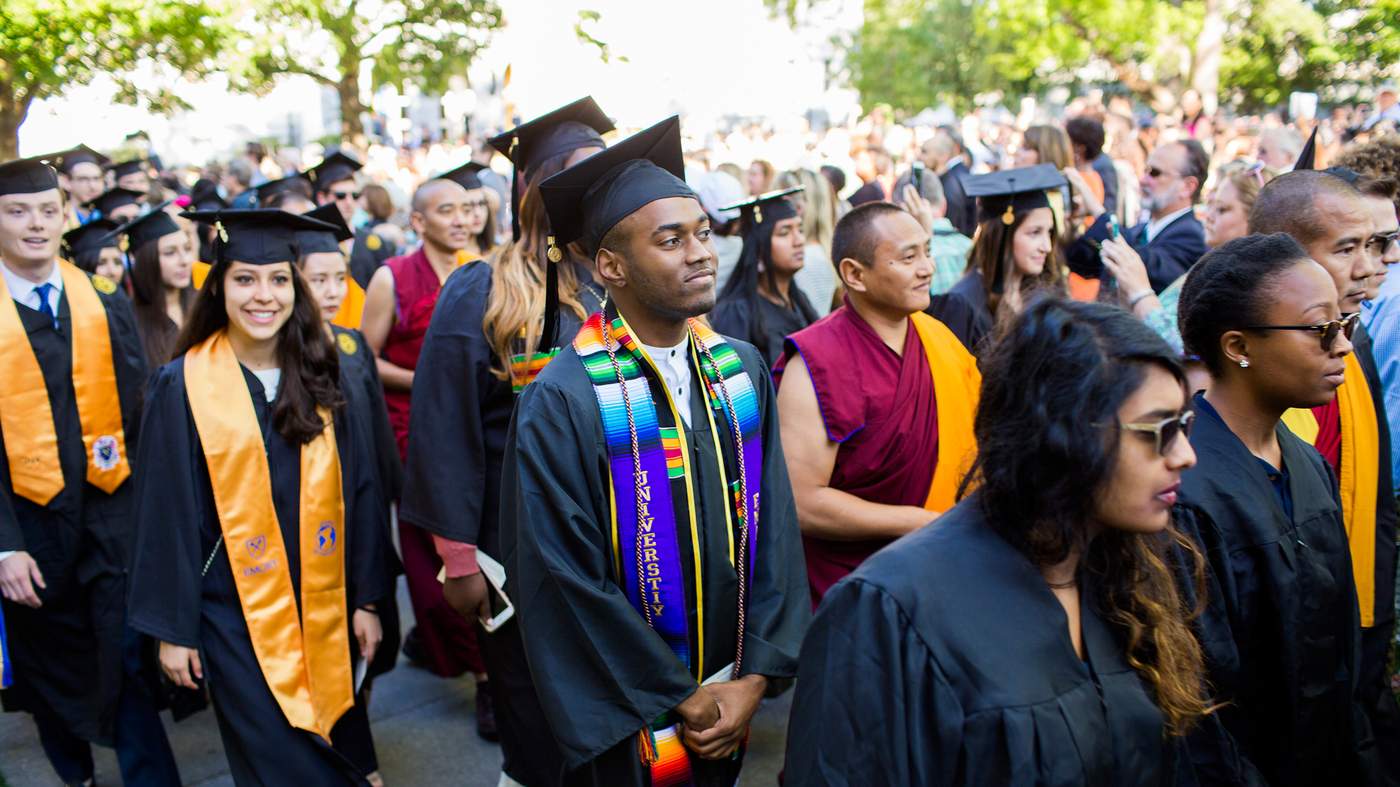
[(67, 654), (177, 528), (367, 253), (946, 660), (456, 441), (735, 317), (963, 308), (1280, 628), (601, 670)]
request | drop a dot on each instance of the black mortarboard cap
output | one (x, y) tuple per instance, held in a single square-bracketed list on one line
[(766, 208), (204, 195), (111, 199), (333, 169), (148, 227), (580, 124), (465, 175), (1308, 158), (123, 168), (27, 176), (316, 241), (1006, 193), (299, 183), (257, 237), (64, 161), (591, 197), (96, 234)]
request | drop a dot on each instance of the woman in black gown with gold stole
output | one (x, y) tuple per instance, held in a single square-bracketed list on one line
[(258, 534)]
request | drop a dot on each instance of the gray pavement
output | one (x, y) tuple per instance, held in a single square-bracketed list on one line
[(423, 729)]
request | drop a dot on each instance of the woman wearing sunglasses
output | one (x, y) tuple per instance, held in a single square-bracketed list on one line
[(1034, 634), (1280, 626)]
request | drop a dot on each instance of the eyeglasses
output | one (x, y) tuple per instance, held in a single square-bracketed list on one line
[(1327, 330), (1165, 432), (1157, 172), (343, 195), (1383, 241)]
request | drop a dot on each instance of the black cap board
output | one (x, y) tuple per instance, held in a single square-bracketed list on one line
[(1308, 158), (26, 176), (768, 207), (123, 168), (465, 175), (257, 237), (299, 183), (580, 124), (65, 160), (148, 227), (111, 199), (320, 241), (96, 234), (333, 169)]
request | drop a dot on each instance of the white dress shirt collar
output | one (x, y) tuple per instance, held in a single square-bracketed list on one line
[(24, 291)]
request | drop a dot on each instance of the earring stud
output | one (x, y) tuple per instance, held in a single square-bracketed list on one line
[(1244, 363)]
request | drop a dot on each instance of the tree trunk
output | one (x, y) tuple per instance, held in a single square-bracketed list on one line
[(1205, 66), (352, 129), (14, 107)]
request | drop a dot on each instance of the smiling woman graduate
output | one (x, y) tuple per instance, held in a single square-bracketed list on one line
[(258, 544)]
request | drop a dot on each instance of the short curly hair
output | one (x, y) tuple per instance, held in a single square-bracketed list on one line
[(1377, 159), (1229, 289)]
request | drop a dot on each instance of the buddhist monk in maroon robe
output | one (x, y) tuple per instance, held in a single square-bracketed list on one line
[(876, 401)]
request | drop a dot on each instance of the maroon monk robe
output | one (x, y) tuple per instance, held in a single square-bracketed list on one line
[(447, 640), (879, 406)]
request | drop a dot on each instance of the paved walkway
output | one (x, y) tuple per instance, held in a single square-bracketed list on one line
[(423, 728)]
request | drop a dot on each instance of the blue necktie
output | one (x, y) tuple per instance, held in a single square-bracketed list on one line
[(45, 308)]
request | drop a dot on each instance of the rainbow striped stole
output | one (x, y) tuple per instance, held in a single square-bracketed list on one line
[(650, 492), (6, 669), (525, 367)]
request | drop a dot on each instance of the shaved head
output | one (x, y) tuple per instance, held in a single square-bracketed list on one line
[(1289, 204), (434, 191)]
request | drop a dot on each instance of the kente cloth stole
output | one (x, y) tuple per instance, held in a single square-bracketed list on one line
[(651, 492), (1359, 479), (306, 660), (6, 670), (26, 417)]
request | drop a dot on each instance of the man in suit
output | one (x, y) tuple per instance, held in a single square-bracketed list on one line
[(1171, 239), (943, 153)]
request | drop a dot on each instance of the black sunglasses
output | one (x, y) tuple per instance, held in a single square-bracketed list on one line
[(339, 195), (1166, 431), (1383, 241), (1327, 330)]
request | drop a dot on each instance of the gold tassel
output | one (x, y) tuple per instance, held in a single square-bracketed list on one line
[(1009, 217), (554, 254)]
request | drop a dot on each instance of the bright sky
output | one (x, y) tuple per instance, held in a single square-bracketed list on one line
[(703, 58)]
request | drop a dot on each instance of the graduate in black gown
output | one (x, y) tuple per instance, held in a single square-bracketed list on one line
[(259, 544), (323, 266), (70, 402), (481, 350), (634, 587), (1032, 635), (759, 305), (1281, 628)]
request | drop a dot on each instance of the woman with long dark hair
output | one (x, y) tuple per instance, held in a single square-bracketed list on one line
[(482, 349), (1034, 634), (1281, 629), (259, 549), (1016, 251), (162, 256), (759, 303)]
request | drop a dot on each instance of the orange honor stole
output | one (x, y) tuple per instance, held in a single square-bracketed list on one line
[(957, 385), (26, 418), (306, 662)]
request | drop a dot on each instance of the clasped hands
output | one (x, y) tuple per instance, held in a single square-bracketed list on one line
[(716, 717)]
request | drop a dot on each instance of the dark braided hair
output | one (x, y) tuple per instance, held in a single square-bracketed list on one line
[(1228, 289)]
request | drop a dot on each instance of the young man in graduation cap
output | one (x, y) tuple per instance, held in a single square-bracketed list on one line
[(334, 182), (1330, 218), (656, 596), (82, 176), (873, 461), (134, 174), (70, 399)]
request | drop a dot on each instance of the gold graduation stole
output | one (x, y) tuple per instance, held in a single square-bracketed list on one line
[(957, 386), (1359, 480), (26, 418), (306, 662), (351, 309)]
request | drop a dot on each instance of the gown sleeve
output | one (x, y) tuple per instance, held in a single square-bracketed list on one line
[(443, 490), (1215, 754), (165, 582), (596, 664), (871, 706), (779, 603)]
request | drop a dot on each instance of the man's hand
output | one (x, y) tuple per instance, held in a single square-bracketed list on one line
[(918, 207), (181, 665), (18, 576), (738, 701), (368, 632), (467, 595), (700, 711)]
